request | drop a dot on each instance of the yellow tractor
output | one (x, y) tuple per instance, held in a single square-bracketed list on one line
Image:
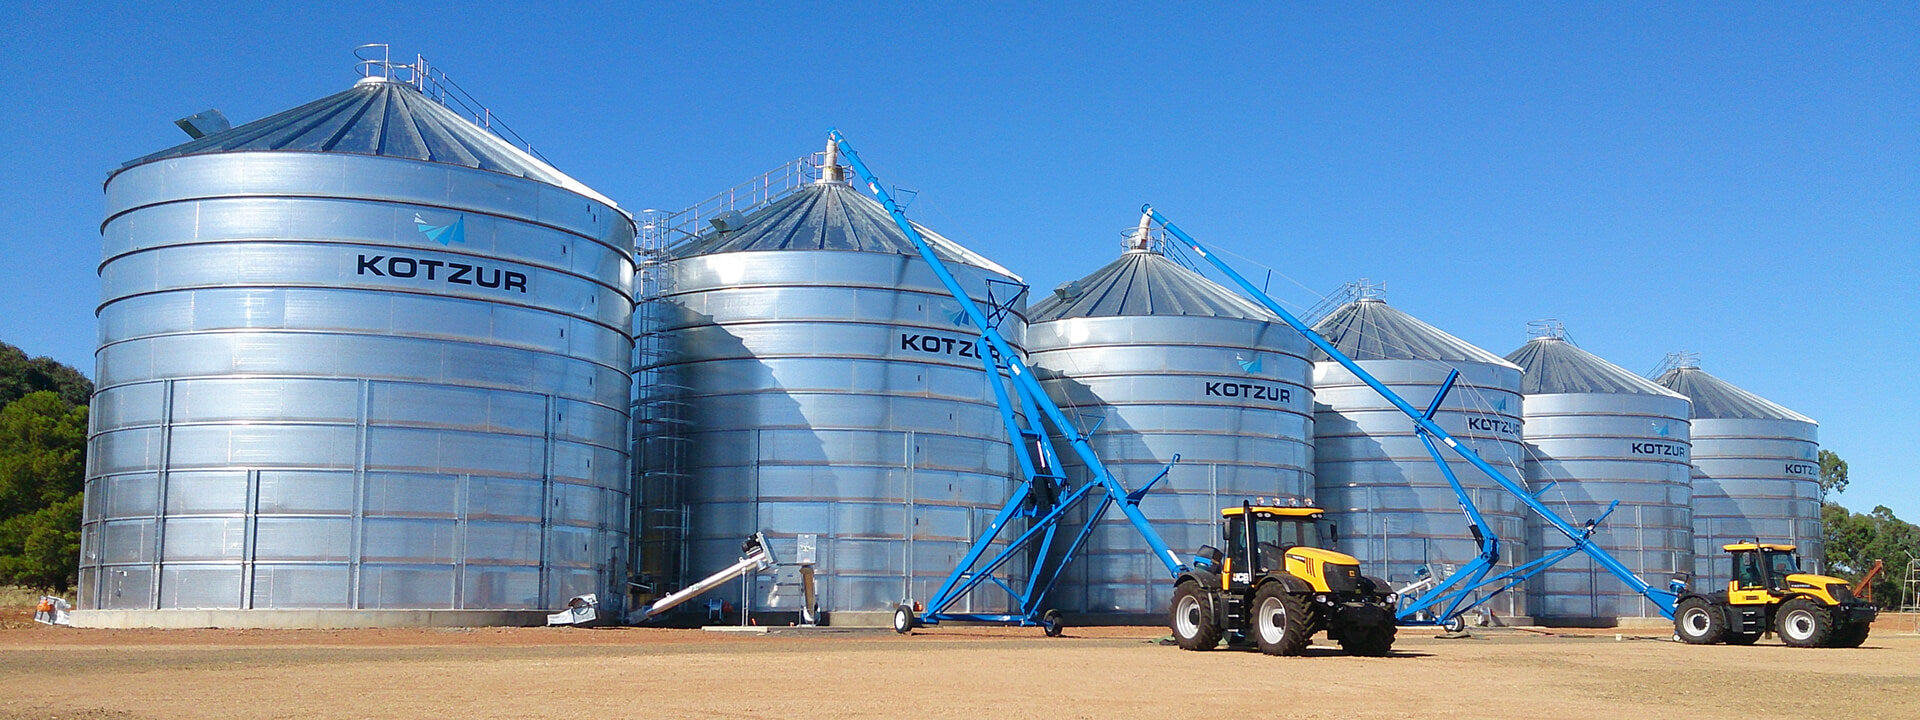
[(1768, 592), (1275, 587)]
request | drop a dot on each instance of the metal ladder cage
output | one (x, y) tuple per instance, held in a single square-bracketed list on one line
[(1912, 583), (662, 513), (1466, 589)]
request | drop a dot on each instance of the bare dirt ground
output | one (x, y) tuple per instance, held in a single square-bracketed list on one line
[(942, 673)]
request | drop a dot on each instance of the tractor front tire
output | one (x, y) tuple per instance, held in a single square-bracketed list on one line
[(1699, 622), (1367, 630), (1193, 623), (1850, 635), (1282, 625), (1804, 623)]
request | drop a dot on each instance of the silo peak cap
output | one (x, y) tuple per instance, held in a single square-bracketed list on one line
[(386, 118), (1553, 366), (1717, 399), (1367, 328), (1144, 282), (829, 216)]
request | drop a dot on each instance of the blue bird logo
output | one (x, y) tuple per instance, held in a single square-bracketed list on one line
[(443, 234), (1251, 366)]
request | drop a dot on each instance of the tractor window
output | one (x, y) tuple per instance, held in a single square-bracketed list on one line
[(1236, 547), (1781, 564), (1746, 570)]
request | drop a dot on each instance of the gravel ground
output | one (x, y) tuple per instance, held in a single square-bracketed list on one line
[(941, 673)]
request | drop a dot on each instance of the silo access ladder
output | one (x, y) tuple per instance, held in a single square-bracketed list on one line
[(1448, 600)]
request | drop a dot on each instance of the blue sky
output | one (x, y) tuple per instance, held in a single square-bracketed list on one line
[(1739, 181)]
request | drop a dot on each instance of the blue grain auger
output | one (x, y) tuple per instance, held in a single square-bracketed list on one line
[(1045, 498), (1447, 602), (1272, 554)]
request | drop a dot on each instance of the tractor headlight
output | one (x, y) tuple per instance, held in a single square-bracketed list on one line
[(1393, 598), (1320, 598)]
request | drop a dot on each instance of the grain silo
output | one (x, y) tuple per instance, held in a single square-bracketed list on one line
[(361, 363), (1756, 472), (1395, 509), (829, 387), (1597, 433), (1159, 360)]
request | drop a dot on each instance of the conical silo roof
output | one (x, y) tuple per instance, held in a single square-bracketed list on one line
[(1370, 329), (1716, 399), (829, 216), (1144, 282), (1554, 365), (385, 118)]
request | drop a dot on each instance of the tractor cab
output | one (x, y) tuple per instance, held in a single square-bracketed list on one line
[(1762, 571), (1269, 540), (1259, 536), (1761, 566)]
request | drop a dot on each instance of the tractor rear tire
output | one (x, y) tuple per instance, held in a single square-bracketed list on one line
[(1282, 625), (1193, 622), (1699, 622), (1367, 631), (1850, 635), (1804, 623)]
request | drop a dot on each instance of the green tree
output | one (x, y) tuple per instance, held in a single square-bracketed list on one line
[(20, 375), (1855, 540), (1833, 473), (43, 446)]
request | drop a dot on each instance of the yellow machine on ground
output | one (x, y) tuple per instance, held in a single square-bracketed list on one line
[(1275, 587), (1768, 591)]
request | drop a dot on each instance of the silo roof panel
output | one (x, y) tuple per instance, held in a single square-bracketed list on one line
[(829, 216), (1145, 283), (1716, 399), (1553, 365), (385, 119), (1370, 329)]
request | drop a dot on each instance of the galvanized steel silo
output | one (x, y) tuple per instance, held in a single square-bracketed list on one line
[(1396, 512), (1162, 361), (1756, 472), (1598, 433), (362, 357), (830, 387)]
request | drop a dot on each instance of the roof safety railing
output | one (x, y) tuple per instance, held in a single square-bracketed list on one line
[(1547, 328), (664, 230), (1674, 361), (376, 60), (1350, 291)]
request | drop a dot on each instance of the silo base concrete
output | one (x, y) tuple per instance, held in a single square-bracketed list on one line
[(305, 619)]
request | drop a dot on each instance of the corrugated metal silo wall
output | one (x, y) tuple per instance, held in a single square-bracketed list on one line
[(1230, 396), (839, 394), (1601, 447), (1754, 480), (305, 402), (1394, 507)]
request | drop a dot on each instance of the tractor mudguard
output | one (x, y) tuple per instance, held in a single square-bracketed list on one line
[(1292, 584)]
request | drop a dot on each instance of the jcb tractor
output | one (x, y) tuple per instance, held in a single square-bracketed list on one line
[(1275, 587), (1768, 591)]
